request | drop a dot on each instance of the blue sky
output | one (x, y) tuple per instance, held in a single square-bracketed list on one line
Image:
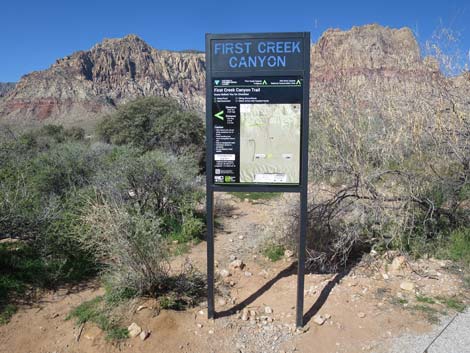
[(35, 33)]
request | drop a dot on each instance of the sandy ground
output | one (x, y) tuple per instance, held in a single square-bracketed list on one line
[(365, 308)]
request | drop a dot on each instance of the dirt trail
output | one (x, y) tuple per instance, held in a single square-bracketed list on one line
[(364, 309)]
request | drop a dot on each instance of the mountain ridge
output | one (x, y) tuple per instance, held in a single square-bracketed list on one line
[(375, 62)]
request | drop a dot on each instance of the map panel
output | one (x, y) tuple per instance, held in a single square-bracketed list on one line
[(270, 143)]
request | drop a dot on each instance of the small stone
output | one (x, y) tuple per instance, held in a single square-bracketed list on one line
[(231, 283), (361, 315), (327, 316), (92, 332), (241, 237), (232, 257), (237, 264), (408, 286), (144, 335), (303, 329), (224, 273), (288, 253), (397, 263), (235, 216), (248, 274), (319, 320), (245, 316), (311, 291), (200, 325), (385, 276), (222, 301), (268, 310), (253, 313), (134, 330), (211, 332), (141, 307)]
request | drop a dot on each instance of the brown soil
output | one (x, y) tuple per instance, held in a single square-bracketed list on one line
[(365, 306)]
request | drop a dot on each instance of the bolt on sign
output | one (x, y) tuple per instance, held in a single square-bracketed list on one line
[(257, 94)]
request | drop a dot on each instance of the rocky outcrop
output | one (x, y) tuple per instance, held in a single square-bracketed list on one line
[(366, 68), (6, 87), (379, 70), (88, 83)]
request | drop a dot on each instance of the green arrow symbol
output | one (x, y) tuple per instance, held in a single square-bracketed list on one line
[(264, 82), (220, 115), (298, 82)]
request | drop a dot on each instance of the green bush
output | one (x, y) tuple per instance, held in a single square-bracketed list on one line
[(274, 252), (457, 247), (155, 122)]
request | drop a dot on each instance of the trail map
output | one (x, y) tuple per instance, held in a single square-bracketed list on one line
[(257, 130), (269, 143)]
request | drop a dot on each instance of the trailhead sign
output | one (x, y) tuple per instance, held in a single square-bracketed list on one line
[(256, 107), (257, 103)]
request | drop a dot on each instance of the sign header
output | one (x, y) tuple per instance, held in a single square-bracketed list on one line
[(258, 54)]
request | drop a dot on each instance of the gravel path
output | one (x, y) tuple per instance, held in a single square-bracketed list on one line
[(452, 335)]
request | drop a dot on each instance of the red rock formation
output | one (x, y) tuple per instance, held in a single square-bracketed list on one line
[(377, 65)]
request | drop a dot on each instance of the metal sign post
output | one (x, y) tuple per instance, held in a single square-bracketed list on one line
[(257, 106)]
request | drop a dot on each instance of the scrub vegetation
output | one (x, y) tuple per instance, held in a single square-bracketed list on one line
[(385, 177), (72, 207)]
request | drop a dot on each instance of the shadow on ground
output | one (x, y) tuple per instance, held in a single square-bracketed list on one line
[(289, 271)]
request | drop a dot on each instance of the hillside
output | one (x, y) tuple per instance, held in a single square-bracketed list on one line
[(379, 71), (88, 83), (372, 66), (6, 87)]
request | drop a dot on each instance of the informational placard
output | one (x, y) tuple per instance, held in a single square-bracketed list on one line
[(251, 118)]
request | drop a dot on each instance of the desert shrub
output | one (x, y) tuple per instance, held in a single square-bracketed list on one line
[(132, 243), (383, 177), (460, 245), (142, 203), (155, 182), (75, 133), (63, 167), (155, 122), (273, 251), (42, 192), (136, 253)]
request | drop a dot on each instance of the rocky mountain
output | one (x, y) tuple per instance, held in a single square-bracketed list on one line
[(380, 70), (6, 87), (369, 67), (89, 83)]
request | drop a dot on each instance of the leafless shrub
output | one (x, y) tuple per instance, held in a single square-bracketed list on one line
[(131, 245), (389, 168)]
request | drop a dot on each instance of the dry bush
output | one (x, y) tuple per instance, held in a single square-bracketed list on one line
[(389, 169), (138, 207), (136, 254)]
